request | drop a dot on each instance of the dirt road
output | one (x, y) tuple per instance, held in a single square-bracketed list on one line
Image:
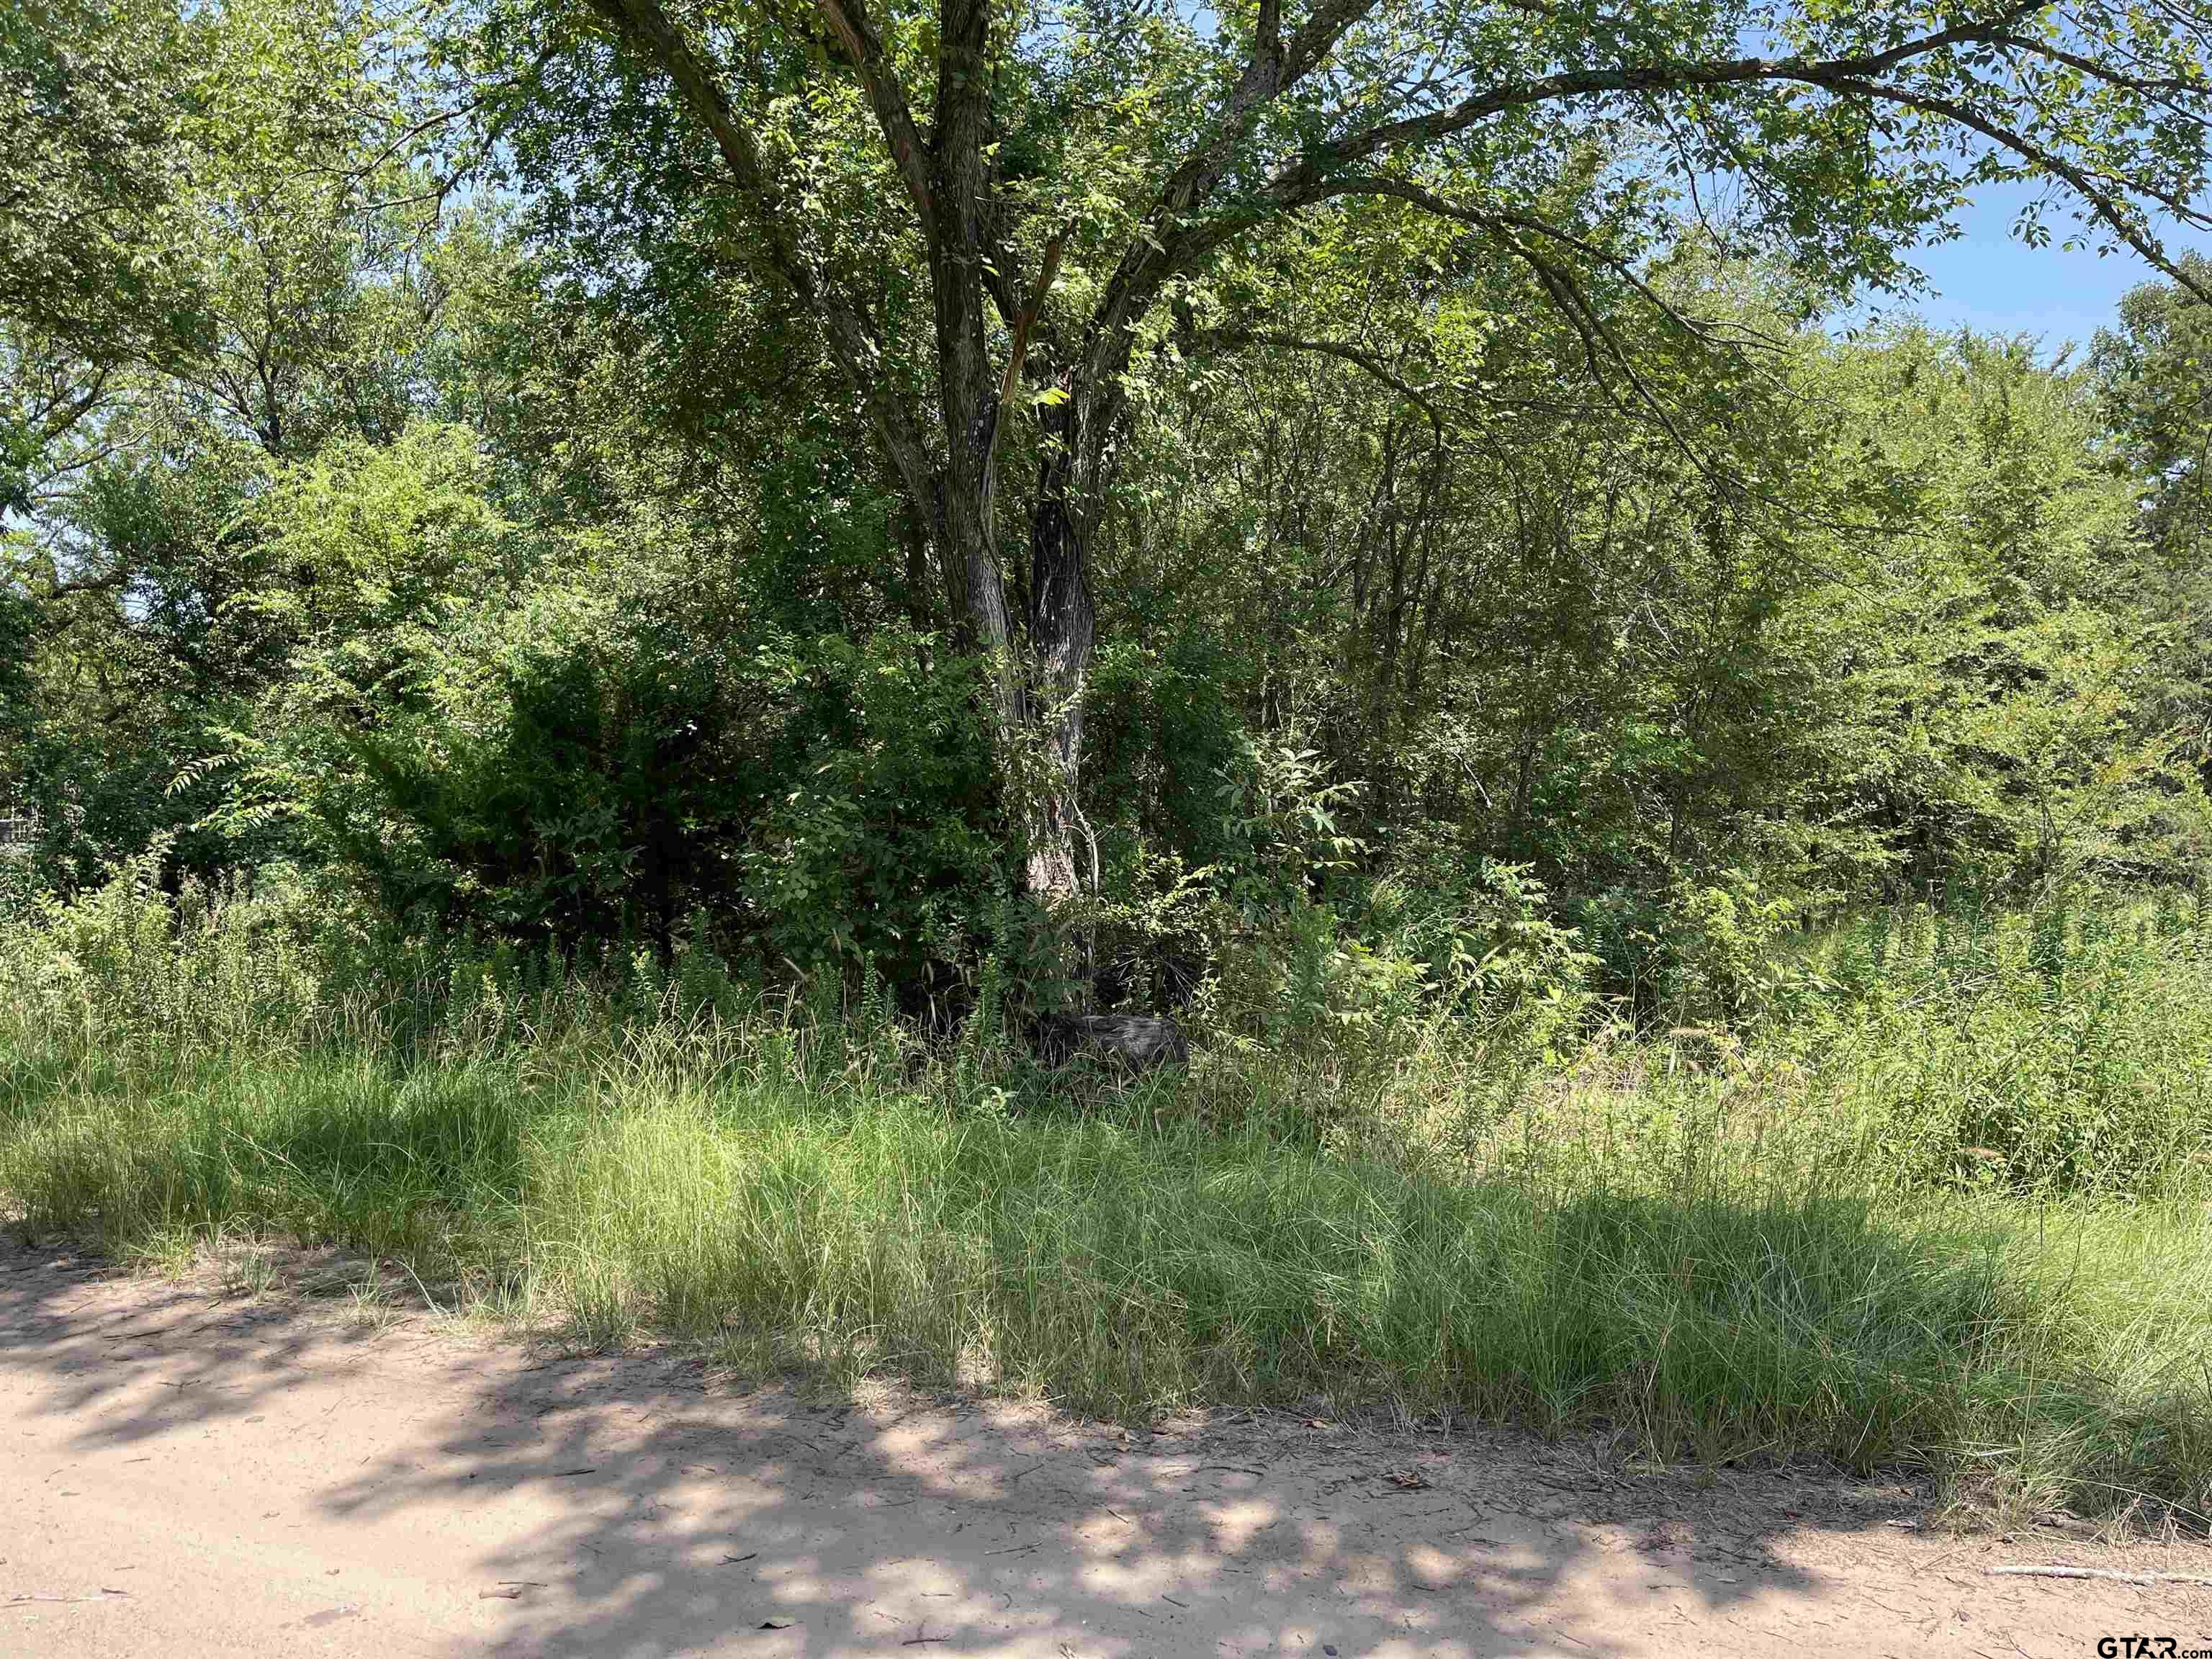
[(184, 1473)]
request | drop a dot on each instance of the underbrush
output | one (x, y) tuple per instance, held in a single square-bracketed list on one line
[(1937, 1207)]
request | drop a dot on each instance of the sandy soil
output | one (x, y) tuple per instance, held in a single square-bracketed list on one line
[(187, 1474)]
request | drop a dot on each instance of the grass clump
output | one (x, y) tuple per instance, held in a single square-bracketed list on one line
[(1780, 1244)]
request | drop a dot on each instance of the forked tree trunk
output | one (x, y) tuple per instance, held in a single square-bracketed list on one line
[(1060, 627), (1036, 666)]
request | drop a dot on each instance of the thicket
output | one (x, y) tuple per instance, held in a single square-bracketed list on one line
[(1688, 726), (521, 564)]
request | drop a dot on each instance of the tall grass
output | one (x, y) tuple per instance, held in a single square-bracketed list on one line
[(1779, 1242)]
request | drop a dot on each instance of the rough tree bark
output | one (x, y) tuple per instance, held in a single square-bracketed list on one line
[(1061, 625)]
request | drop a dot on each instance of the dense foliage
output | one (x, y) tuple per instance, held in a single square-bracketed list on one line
[(435, 465)]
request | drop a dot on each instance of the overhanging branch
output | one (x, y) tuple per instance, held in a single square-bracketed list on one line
[(850, 336), (849, 21)]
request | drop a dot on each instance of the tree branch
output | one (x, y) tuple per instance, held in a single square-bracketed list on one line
[(910, 155), (1274, 68), (1646, 77), (1360, 358), (1024, 322), (2107, 207), (1428, 201), (853, 345)]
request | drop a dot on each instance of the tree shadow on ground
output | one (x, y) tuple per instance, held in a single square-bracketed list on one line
[(634, 1507)]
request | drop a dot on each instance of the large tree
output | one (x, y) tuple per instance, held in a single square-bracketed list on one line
[(1071, 181)]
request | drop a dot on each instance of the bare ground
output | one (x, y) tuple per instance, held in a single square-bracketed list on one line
[(184, 1473)]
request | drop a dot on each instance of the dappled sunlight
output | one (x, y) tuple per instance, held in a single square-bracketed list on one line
[(635, 1504)]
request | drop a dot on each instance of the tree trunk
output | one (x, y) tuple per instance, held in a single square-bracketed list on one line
[(1060, 627)]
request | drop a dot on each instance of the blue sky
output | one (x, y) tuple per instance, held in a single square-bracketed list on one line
[(1989, 281)]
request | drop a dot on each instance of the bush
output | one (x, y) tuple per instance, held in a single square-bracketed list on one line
[(2065, 1048)]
